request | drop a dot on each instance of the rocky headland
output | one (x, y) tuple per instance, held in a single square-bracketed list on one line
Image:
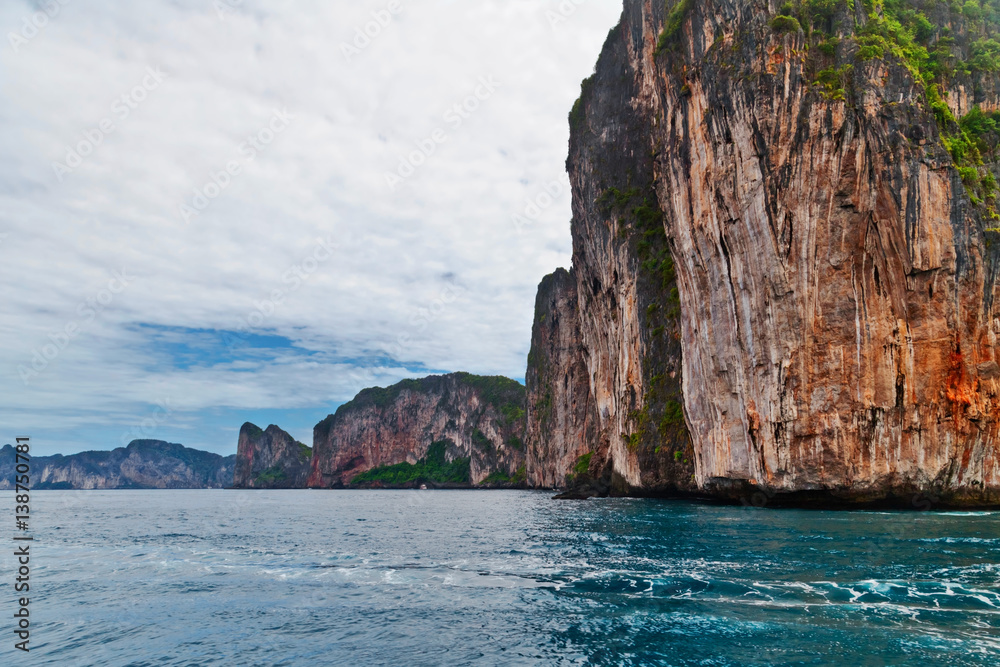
[(446, 430), (785, 254), (270, 459)]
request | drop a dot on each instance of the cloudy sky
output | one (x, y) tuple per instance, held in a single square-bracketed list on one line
[(217, 211)]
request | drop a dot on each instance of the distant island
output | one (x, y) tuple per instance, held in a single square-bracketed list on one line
[(143, 464)]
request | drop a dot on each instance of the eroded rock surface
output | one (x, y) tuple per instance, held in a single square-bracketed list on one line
[(561, 419), (270, 459), (477, 418), (834, 279)]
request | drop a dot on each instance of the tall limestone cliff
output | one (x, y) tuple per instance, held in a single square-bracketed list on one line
[(783, 222), (560, 414), (270, 459), (447, 430)]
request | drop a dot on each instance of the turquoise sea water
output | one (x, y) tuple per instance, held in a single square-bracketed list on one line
[(498, 578)]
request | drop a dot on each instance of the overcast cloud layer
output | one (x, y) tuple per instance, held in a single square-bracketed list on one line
[(198, 224)]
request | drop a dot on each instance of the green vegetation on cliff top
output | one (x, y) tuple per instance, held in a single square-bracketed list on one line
[(938, 41), (504, 394), (305, 451)]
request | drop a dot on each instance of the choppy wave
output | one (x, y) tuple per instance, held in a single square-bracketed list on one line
[(506, 578)]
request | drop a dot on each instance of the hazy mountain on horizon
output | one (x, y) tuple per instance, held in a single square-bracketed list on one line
[(143, 464)]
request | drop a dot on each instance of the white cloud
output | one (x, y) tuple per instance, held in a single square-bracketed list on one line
[(444, 230)]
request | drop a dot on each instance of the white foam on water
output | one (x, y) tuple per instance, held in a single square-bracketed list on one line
[(960, 540)]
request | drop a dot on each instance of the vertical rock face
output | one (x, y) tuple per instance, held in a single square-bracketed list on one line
[(270, 459), (626, 304), (561, 420), (474, 423), (833, 276)]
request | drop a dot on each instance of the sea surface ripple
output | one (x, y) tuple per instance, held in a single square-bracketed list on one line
[(500, 578)]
